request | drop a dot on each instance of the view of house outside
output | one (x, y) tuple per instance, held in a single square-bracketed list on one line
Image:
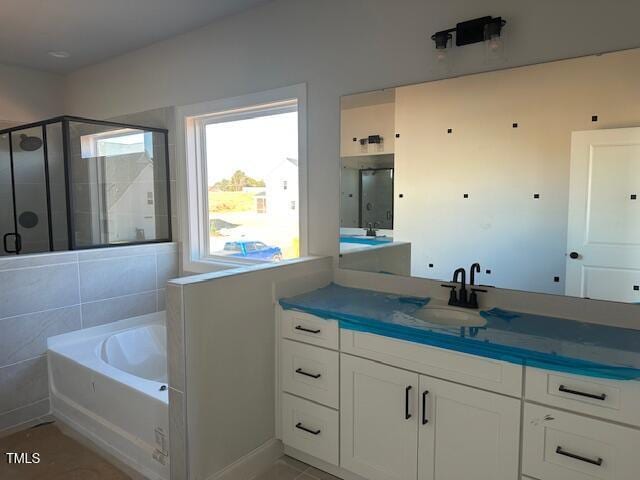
[(252, 170)]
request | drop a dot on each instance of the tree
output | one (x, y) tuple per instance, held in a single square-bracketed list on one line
[(237, 182)]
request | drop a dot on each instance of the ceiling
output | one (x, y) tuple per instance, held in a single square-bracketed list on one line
[(94, 30)]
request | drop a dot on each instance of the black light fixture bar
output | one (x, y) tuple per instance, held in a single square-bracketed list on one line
[(470, 31)]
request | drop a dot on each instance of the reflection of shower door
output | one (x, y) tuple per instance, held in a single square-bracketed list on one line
[(376, 198), (24, 210)]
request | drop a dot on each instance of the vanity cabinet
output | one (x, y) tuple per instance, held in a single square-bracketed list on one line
[(398, 425), (365, 406)]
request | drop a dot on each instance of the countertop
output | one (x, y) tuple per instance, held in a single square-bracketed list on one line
[(522, 338)]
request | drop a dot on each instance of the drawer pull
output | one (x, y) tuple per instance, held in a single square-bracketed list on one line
[(560, 451), (307, 374), (308, 330), (407, 415), (308, 430), (564, 389), (425, 420)]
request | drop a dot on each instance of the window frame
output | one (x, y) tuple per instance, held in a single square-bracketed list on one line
[(192, 172)]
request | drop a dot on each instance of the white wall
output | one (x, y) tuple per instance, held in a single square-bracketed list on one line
[(29, 95), (224, 352), (338, 47)]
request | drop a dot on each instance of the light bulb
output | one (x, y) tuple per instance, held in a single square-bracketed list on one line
[(494, 49)]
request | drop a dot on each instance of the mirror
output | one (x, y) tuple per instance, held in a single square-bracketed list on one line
[(533, 172)]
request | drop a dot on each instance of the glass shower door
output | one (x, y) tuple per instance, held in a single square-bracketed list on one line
[(7, 218), (26, 221)]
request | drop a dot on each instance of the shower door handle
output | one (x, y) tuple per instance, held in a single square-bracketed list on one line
[(17, 242)]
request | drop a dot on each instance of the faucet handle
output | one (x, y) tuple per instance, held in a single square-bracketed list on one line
[(453, 296), (473, 298)]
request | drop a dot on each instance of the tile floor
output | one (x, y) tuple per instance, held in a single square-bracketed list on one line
[(287, 468), (61, 457)]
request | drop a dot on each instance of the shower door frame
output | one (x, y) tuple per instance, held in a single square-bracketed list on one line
[(66, 142)]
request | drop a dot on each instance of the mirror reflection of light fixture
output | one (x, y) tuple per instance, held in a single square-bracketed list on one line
[(484, 29), (494, 45), (442, 41)]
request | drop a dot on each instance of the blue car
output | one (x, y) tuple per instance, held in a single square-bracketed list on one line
[(250, 249)]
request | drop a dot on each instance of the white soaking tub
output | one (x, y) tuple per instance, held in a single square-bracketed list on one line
[(109, 383)]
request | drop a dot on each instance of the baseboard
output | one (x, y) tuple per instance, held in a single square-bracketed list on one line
[(26, 425), (252, 463)]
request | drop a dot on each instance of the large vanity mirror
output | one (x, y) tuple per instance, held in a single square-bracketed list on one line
[(532, 172)]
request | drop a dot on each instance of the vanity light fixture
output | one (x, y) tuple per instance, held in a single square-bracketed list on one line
[(484, 29)]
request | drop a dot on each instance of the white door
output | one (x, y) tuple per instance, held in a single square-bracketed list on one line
[(603, 246), (378, 420), (466, 433)]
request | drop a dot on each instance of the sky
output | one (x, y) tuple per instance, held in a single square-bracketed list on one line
[(255, 145)]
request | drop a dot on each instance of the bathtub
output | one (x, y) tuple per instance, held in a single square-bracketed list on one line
[(109, 383)]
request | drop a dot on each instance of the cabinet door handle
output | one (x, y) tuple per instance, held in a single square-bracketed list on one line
[(425, 420), (407, 415), (564, 389), (560, 451), (307, 374), (308, 430), (308, 330)]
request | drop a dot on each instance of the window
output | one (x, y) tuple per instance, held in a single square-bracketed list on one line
[(116, 142), (244, 178)]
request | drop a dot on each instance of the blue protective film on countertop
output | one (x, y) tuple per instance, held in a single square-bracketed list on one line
[(525, 339), (365, 241), (352, 304)]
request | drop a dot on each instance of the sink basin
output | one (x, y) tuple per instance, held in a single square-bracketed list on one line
[(454, 317)]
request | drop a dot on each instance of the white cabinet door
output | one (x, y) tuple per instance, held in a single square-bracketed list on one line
[(466, 433), (605, 178), (378, 420)]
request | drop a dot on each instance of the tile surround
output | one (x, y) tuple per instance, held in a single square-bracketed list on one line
[(118, 308), (115, 277), (34, 289), (50, 294), (23, 383), (25, 336)]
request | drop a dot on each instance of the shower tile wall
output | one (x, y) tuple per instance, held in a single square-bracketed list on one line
[(48, 294)]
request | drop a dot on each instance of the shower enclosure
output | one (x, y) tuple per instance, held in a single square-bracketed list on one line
[(72, 183)]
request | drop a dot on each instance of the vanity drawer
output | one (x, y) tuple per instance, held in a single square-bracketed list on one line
[(310, 372), (472, 370), (310, 329), (563, 446), (617, 400), (310, 428)]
